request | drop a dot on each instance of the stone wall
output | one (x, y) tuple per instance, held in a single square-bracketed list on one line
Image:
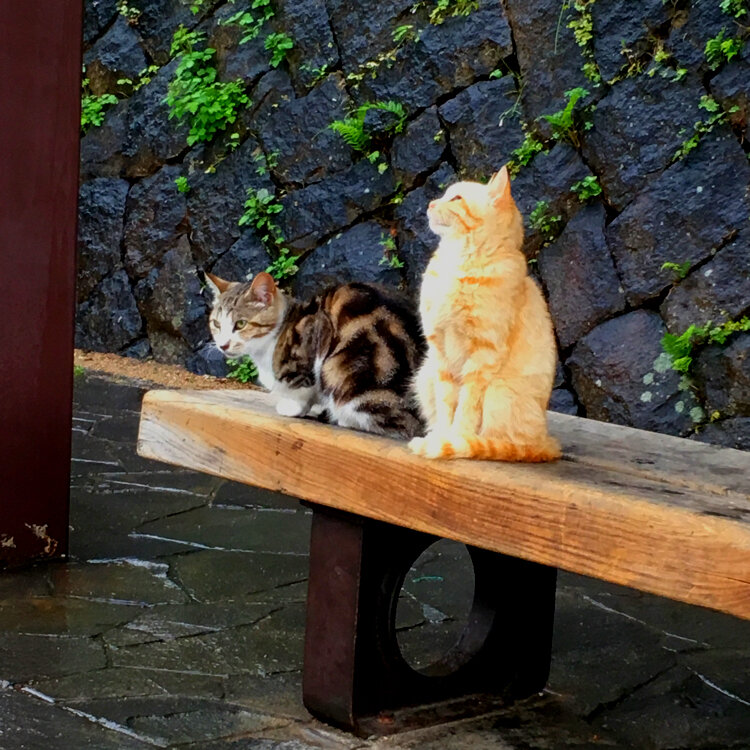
[(475, 89)]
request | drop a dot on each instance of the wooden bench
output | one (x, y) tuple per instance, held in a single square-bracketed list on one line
[(661, 514)]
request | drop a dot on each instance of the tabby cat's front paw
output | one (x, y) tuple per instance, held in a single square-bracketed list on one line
[(416, 445), (288, 407)]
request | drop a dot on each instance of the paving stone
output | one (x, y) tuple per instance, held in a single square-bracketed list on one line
[(211, 576), (121, 582), (276, 694), (59, 616), (26, 656), (28, 723), (237, 529), (234, 493), (17, 585)]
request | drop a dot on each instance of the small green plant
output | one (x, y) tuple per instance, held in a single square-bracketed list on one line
[(521, 156), (243, 370), (143, 78), (445, 9), (196, 6), (284, 266), (720, 50), (543, 221), (182, 184), (700, 128), (680, 348), (78, 371), (497, 73), (734, 8), (130, 12), (265, 162), (680, 270), (566, 121), (582, 26), (251, 21), (93, 107), (352, 129), (587, 188), (261, 207), (404, 33), (390, 252), (318, 74), (278, 44), (195, 95)]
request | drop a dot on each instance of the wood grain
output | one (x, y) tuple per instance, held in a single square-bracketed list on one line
[(660, 514)]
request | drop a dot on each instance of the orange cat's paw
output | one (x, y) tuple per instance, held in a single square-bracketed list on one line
[(432, 446)]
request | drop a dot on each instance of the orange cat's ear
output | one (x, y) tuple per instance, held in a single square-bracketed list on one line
[(263, 289), (215, 284), (499, 187)]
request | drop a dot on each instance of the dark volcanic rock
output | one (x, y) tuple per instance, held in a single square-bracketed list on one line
[(320, 209), (418, 149), (580, 277), (273, 90), (137, 136), (548, 178), (216, 201), (731, 86), (617, 376), (118, 54), (208, 360), (482, 131), (101, 206), (361, 36), (416, 241), (306, 21), (691, 31), (157, 22), (97, 15), (563, 401), (155, 221), (171, 301), (724, 375), (353, 255), (244, 259), (717, 291), (681, 216), (109, 319), (547, 53), (298, 130), (637, 129), (248, 61), (447, 57), (622, 25), (730, 433)]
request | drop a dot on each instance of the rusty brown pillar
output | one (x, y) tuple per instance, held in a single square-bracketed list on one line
[(40, 60)]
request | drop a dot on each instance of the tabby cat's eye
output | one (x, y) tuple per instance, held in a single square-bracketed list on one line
[(215, 323), (239, 325)]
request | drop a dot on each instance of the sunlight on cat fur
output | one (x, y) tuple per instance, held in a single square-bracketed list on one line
[(484, 386)]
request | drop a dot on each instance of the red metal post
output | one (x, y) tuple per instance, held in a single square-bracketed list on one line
[(40, 64)]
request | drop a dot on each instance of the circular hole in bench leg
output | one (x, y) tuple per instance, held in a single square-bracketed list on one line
[(434, 613)]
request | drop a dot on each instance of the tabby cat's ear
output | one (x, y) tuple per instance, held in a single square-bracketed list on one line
[(263, 289), (499, 186), (215, 284)]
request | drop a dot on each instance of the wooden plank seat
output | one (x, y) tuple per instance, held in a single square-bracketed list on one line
[(661, 514)]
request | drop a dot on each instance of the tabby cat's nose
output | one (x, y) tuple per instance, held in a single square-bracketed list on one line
[(224, 347)]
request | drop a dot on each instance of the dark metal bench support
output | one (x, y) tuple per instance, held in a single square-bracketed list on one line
[(354, 671)]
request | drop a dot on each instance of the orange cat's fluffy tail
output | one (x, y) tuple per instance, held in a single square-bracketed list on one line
[(546, 449)]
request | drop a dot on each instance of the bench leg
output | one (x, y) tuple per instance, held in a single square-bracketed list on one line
[(353, 668)]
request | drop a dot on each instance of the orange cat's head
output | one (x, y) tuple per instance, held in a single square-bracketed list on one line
[(467, 207)]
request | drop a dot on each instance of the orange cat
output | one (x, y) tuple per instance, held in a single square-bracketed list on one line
[(485, 383)]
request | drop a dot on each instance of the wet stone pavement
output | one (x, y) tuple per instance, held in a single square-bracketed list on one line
[(178, 623)]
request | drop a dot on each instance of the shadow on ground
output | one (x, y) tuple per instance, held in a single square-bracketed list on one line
[(178, 623)]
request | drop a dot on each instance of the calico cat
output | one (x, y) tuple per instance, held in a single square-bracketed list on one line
[(352, 350), (486, 380)]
